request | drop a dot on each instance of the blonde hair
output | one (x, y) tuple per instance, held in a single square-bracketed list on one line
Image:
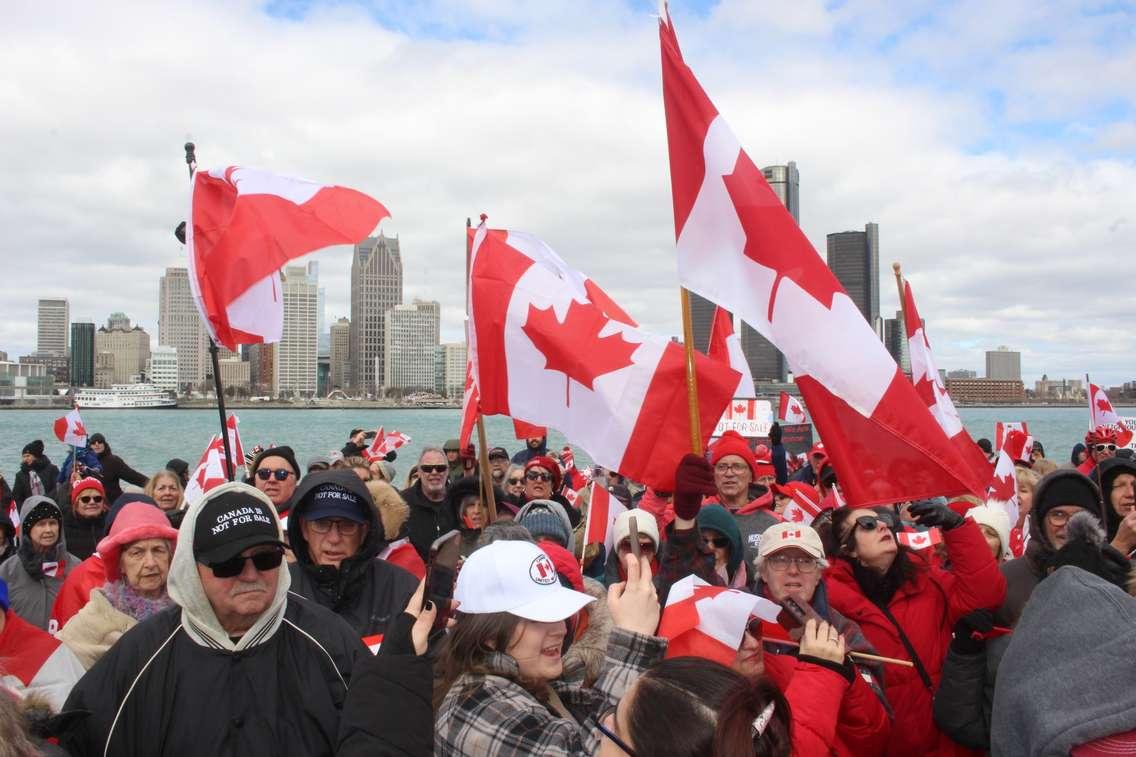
[(1026, 477), (152, 484)]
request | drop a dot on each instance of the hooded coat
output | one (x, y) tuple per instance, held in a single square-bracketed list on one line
[(177, 684), (30, 592), (1066, 677), (115, 469), (1023, 574), (925, 606), (366, 592), (42, 468), (1108, 470), (528, 453)]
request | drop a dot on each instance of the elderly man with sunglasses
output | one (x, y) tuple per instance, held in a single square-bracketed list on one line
[(336, 535), (276, 473), (239, 665), (430, 515)]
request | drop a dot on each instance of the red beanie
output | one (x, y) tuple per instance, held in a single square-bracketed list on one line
[(732, 443), (564, 561), (550, 465), (90, 482)]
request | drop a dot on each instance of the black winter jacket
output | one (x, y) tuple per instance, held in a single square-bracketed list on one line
[(42, 467), (115, 470), (428, 520), (388, 710), (83, 534), (163, 693), (364, 590)]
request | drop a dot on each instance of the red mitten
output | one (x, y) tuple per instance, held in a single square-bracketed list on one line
[(694, 478)]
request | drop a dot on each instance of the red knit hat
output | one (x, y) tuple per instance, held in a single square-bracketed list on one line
[(764, 461), (732, 443), (135, 521), (90, 482), (565, 562), (550, 465)]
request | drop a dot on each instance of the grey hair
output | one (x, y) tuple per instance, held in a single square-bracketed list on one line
[(513, 467), (430, 448), (504, 530)]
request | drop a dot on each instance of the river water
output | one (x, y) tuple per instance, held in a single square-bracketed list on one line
[(146, 439)]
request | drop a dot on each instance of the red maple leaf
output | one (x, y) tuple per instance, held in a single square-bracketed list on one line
[(1003, 488), (797, 515), (574, 347), (79, 430), (773, 239), (1104, 405)]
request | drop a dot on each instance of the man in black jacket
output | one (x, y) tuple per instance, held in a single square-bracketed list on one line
[(37, 474), (239, 666), (114, 468), (430, 514), (356, 443), (335, 534)]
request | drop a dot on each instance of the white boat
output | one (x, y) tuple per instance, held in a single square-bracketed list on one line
[(135, 396)]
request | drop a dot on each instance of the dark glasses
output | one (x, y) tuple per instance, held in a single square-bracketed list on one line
[(515, 481), (262, 561), (280, 474), (96, 498), (538, 475), (869, 522), (719, 542), (1103, 447), (433, 468)]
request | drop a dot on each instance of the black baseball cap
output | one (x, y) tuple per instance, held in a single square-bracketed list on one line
[(231, 521), (498, 452)]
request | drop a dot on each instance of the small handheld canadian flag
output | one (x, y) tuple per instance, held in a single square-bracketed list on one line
[(70, 429), (920, 539), (706, 621), (790, 410)]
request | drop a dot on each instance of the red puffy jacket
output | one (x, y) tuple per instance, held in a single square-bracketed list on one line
[(926, 607), (76, 590), (862, 724)]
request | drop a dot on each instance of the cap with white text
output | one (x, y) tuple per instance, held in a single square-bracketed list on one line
[(231, 522)]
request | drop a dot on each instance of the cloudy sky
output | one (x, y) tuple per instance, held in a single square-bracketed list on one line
[(992, 141)]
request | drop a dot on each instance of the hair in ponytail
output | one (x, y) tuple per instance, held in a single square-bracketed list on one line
[(753, 719)]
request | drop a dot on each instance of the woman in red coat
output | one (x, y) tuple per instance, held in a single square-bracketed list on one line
[(906, 606)]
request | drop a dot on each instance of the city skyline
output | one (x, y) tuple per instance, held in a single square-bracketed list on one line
[(984, 174)]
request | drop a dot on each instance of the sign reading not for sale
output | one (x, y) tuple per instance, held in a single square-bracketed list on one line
[(749, 417)]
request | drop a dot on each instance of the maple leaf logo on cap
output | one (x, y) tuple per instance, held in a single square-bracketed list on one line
[(574, 346), (542, 571)]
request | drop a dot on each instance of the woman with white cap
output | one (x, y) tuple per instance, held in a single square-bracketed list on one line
[(502, 688)]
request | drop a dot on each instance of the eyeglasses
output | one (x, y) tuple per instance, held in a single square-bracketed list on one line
[(869, 522), (1103, 447), (324, 526), (97, 499), (731, 468), (718, 542), (537, 475), (516, 481), (1058, 517), (645, 546), (433, 468), (610, 734), (280, 474), (781, 563), (234, 566)]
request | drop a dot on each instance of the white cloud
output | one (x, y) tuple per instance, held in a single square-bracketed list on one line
[(553, 123)]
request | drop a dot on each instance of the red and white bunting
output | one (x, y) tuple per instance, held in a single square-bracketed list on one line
[(244, 225), (70, 429), (706, 621), (920, 539), (789, 409), (726, 347), (739, 247)]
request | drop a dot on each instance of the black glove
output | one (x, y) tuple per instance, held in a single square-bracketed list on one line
[(775, 435), (981, 621), (929, 514), (694, 478)]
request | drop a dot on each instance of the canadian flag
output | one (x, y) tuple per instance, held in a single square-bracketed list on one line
[(789, 409), (1003, 488), (210, 471), (1002, 428), (603, 509), (726, 347), (403, 554), (382, 443), (739, 247), (929, 386), (920, 539), (805, 504), (236, 450), (471, 405), (548, 345), (524, 430), (706, 621), (53, 568), (374, 642), (70, 429), (1102, 414), (245, 224)]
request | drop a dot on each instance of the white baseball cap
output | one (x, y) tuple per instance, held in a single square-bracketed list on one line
[(785, 535), (516, 577)]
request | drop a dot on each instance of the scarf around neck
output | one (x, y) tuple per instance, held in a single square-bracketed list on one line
[(129, 602)]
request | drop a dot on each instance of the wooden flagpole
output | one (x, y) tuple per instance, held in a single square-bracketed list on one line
[(691, 377), (587, 523), (902, 299), (230, 464), (487, 495)]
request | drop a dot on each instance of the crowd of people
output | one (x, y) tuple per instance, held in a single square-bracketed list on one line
[(306, 609)]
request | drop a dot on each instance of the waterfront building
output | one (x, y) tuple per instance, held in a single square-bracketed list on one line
[(339, 355), (1004, 364), (24, 380), (962, 373), (854, 257), (163, 369), (449, 369), (376, 287), (410, 335), (53, 319), (296, 353), (130, 346), (82, 359), (986, 391), (104, 370), (895, 339), (58, 366), (180, 327)]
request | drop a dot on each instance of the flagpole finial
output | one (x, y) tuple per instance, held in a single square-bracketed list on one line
[(190, 149), (484, 217), (895, 267)]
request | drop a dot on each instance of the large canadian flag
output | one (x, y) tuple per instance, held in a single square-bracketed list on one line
[(929, 386), (1102, 414), (739, 247), (70, 429), (789, 409), (726, 347), (210, 471), (245, 224), (548, 345), (700, 620), (236, 449)]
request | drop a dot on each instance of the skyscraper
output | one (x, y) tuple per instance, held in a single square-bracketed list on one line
[(163, 369), (895, 339), (785, 183), (53, 318), (323, 345), (701, 320), (410, 336), (82, 354), (449, 369), (339, 355), (296, 354), (180, 327), (128, 345), (376, 287), (854, 257), (1004, 363)]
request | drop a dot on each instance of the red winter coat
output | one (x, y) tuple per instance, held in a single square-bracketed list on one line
[(862, 726), (926, 607), (76, 590), (814, 694)]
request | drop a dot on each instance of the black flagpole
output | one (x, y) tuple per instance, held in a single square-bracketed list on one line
[(230, 467)]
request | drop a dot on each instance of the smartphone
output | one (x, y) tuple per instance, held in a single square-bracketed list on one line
[(441, 572), (633, 536)]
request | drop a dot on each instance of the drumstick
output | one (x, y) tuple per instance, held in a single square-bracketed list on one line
[(858, 656)]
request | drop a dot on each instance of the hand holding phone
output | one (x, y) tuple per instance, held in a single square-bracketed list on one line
[(633, 536), (441, 573)]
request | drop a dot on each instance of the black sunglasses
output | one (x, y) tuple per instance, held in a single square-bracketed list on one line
[(433, 468), (719, 542), (869, 522), (262, 561), (535, 475), (515, 481), (280, 474), (610, 734)]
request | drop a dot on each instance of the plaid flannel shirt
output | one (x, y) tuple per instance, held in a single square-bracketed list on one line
[(491, 715)]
